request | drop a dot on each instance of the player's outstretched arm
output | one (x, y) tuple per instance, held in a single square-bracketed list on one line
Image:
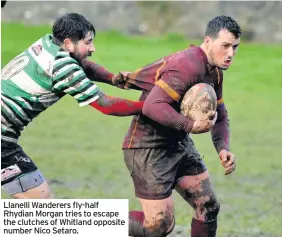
[(117, 106), (70, 78), (96, 72)]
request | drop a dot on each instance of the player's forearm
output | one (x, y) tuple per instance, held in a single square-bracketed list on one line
[(95, 72), (220, 131), (117, 106), (158, 107), (164, 114)]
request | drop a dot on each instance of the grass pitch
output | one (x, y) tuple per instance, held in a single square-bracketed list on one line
[(79, 149)]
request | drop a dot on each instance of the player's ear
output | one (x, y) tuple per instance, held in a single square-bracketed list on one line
[(68, 44), (207, 39)]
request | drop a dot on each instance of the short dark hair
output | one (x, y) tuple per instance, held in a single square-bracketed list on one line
[(223, 22), (73, 26)]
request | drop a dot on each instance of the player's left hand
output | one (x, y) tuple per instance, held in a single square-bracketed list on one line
[(120, 79), (228, 161)]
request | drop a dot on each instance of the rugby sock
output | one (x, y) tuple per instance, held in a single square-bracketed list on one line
[(136, 228), (203, 228), (136, 219)]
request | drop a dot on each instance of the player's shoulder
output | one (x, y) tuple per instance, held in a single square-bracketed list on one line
[(64, 65), (189, 59), (55, 50), (44, 46), (62, 54), (194, 55), (63, 58)]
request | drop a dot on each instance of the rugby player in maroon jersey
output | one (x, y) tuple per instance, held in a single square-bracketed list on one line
[(159, 154)]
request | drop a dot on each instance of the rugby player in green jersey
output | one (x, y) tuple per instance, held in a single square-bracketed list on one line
[(52, 67)]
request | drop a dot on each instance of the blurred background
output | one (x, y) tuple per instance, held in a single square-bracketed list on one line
[(261, 20), (79, 150)]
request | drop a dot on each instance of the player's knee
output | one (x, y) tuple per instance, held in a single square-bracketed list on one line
[(212, 207), (162, 228), (42, 191)]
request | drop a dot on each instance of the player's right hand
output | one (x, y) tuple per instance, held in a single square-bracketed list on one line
[(204, 124), (228, 161), (120, 80)]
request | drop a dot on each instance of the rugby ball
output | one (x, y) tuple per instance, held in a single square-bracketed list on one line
[(198, 100)]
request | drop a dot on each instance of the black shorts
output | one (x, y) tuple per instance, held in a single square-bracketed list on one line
[(155, 171), (14, 162)]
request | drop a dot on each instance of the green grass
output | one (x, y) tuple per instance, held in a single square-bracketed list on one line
[(79, 149)]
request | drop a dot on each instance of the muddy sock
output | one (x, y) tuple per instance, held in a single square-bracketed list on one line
[(136, 219), (203, 228)]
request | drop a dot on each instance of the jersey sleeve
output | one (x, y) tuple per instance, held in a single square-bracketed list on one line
[(69, 77), (96, 72), (177, 80), (176, 84)]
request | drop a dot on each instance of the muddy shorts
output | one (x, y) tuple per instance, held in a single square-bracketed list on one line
[(155, 171), (18, 171)]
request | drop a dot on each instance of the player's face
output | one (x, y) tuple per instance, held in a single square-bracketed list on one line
[(84, 47), (222, 49)]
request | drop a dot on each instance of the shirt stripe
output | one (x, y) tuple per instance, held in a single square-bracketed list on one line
[(169, 90)]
